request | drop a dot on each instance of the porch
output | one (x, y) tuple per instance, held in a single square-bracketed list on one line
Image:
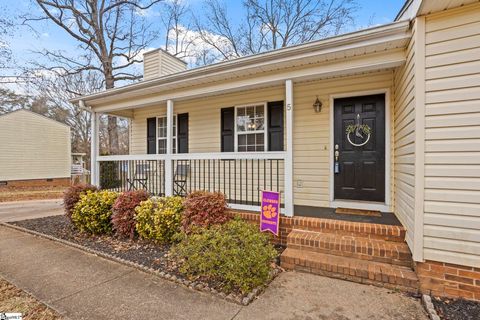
[(240, 176)]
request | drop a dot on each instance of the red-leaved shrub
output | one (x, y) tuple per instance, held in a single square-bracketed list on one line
[(203, 209), (72, 195), (123, 217)]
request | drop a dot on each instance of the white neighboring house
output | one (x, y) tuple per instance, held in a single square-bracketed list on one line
[(34, 150)]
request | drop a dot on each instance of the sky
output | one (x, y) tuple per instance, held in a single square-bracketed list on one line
[(24, 42)]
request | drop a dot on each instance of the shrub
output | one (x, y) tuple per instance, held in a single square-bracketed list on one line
[(237, 254), (203, 209), (92, 212), (123, 217), (159, 219), (72, 195), (110, 177)]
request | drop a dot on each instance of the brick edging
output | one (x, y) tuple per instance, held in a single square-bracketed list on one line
[(243, 300), (428, 305)]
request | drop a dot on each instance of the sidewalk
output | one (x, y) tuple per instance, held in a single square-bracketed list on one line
[(83, 286)]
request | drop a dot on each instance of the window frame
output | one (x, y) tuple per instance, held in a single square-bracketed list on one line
[(265, 125), (157, 138)]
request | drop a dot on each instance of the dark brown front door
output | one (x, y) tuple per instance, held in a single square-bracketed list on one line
[(359, 170)]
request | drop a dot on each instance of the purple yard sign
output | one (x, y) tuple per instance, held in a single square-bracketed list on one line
[(270, 212)]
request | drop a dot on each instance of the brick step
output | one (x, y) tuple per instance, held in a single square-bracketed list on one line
[(361, 229), (391, 252), (346, 268)]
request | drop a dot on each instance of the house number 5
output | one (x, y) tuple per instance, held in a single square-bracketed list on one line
[(289, 107)]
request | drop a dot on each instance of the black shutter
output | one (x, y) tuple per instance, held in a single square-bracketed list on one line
[(182, 133), (227, 128), (151, 135), (275, 126)]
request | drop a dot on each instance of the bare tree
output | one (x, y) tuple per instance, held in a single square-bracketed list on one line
[(271, 24), (11, 101), (6, 26), (177, 23), (111, 36)]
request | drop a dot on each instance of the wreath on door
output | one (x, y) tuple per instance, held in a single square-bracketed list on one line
[(360, 130)]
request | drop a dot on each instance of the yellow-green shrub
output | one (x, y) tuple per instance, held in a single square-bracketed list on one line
[(159, 219), (235, 254), (92, 212)]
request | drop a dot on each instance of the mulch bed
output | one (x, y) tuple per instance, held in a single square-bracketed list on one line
[(456, 309), (143, 252), (139, 251)]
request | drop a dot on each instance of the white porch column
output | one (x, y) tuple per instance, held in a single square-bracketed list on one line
[(94, 149), (168, 161), (289, 160)]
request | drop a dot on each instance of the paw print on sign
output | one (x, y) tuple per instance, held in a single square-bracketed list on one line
[(269, 211)]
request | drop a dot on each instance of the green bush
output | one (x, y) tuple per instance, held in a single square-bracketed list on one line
[(92, 212), (159, 219), (72, 195), (110, 175), (236, 254)]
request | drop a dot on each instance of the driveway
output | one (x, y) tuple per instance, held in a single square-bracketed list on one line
[(22, 210), (84, 286)]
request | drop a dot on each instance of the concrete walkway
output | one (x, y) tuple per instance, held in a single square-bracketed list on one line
[(22, 210), (84, 286)]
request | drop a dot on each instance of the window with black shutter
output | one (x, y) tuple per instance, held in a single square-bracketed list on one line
[(227, 128), (182, 133), (275, 126), (152, 135)]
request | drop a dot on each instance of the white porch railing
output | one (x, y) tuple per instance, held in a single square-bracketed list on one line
[(240, 176)]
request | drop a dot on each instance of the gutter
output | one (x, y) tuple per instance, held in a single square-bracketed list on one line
[(250, 61)]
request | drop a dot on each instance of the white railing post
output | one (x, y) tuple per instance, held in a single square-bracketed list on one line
[(168, 160), (94, 149), (289, 158)]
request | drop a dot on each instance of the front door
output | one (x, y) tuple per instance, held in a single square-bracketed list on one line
[(359, 148)]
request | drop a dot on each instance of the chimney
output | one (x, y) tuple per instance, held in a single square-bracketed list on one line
[(158, 63)]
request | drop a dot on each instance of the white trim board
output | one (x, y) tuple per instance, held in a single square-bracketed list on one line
[(363, 205)]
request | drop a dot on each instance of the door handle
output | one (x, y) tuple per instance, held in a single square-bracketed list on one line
[(336, 168)]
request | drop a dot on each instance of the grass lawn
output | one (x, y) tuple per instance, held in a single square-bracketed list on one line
[(14, 300), (33, 193)]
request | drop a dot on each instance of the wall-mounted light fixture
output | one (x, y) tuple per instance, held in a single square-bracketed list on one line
[(317, 105)]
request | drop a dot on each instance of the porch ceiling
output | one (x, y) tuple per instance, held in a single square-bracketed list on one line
[(368, 50)]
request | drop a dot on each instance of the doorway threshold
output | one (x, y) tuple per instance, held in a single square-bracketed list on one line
[(387, 218)]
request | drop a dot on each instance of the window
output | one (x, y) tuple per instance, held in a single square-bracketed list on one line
[(250, 128), (162, 135)]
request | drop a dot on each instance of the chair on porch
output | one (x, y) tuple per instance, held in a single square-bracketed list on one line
[(180, 179), (140, 177)]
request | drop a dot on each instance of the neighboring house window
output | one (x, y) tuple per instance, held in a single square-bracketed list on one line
[(162, 135), (250, 128)]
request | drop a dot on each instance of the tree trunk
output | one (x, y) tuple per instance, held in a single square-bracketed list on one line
[(113, 144)]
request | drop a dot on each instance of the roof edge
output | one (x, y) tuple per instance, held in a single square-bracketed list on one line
[(343, 39), (35, 114)]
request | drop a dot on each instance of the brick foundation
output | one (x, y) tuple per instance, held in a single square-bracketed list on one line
[(435, 278), (35, 183), (449, 280)]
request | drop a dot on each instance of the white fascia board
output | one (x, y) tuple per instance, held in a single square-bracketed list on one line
[(383, 34), (384, 60)]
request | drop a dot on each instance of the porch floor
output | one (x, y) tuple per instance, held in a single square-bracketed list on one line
[(387, 218)]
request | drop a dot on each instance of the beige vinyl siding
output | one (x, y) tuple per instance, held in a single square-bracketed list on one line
[(452, 137), (404, 145), (311, 130), (33, 147)]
